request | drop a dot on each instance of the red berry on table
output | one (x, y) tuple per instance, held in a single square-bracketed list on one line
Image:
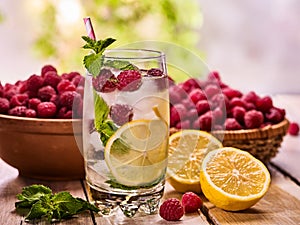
[(46, 110), (253, 119), (171, 210), (4, 105), (129, 80), (121, 114), (293, 129), (191, 202)]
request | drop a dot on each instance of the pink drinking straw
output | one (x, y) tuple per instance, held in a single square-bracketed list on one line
[(89, 28)]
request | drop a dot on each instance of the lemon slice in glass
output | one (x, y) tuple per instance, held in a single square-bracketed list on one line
[(233, 179), (187, 149), (136, 153)]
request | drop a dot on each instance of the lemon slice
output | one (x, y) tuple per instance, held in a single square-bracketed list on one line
[(136, 153), (233, 179), (187, 149)]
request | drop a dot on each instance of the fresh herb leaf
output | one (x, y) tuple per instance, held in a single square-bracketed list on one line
[(42, 204), (121, 65), (31, 195), (94, 60), (101, 111), (107, 129)]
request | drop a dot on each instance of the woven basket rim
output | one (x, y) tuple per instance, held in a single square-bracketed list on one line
[(268, 131)]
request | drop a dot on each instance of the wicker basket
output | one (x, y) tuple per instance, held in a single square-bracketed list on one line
[(262, 143)]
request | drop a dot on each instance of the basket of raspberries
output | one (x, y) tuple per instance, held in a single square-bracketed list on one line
[(47, 95), (242, 120)]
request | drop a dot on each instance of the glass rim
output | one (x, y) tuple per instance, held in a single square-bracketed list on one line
[(156, 54)]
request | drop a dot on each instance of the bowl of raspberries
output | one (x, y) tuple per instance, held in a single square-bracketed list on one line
[(40, 125), (243, 120)]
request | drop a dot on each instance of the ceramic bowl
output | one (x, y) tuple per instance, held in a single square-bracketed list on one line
[(47, 149)]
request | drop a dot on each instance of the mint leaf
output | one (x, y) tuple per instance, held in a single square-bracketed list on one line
[(93, 61), (121, 65), (50, 206), (101, 111), (31, 195), (106, 130)]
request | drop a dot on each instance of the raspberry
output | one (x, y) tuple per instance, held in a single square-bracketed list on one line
[(64, 85), (250, 97), (55, 99), (80, 90), (204, 122), (22, 86), (274, 115), (188, 103), (46, 110), (45, 93), (64, 113), (51, 78), (191, 84), (4, 105), (218, 116), (171, 210), (214, 76), (202, 107), (238, 113), (219, 100), (121, 114), (10, 92), (31, 113), (186, 124), (237, 102), (155, 72), (177, 113), (174, 96), (191, 202), (70, 76), (129, 80), (105, 81), (77, 106), (231, 93), (1, 90), (33, 103), (232, 124), (18, 100), (253, 119), (197, 95), (211, 90), (264, 104), (34, 83), (77, 80), (17, 111), (293, 129), (46, 69), (67, 98)]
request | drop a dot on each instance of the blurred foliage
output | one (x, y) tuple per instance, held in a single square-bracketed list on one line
[(1, 17), (170, 21)]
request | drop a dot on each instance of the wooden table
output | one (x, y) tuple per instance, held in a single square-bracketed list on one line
[(281, 205)]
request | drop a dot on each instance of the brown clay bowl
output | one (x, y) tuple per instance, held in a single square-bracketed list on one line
[(47, 149)]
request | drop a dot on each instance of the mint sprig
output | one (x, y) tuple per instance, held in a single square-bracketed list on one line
[(94, 60), (41, 203)]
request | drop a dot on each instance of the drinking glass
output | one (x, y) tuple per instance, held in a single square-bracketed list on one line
[(126, 130)]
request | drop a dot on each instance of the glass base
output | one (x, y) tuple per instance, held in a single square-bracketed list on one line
[(130, 202)]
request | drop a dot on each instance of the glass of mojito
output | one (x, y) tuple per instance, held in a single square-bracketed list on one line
[(126, 131)]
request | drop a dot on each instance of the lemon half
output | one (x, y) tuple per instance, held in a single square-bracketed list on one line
[(187, 149), (136, 153), (233, 179)]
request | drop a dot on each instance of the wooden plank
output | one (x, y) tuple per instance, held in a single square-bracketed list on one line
[(277, 207), (139, 219), (11, 184)]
